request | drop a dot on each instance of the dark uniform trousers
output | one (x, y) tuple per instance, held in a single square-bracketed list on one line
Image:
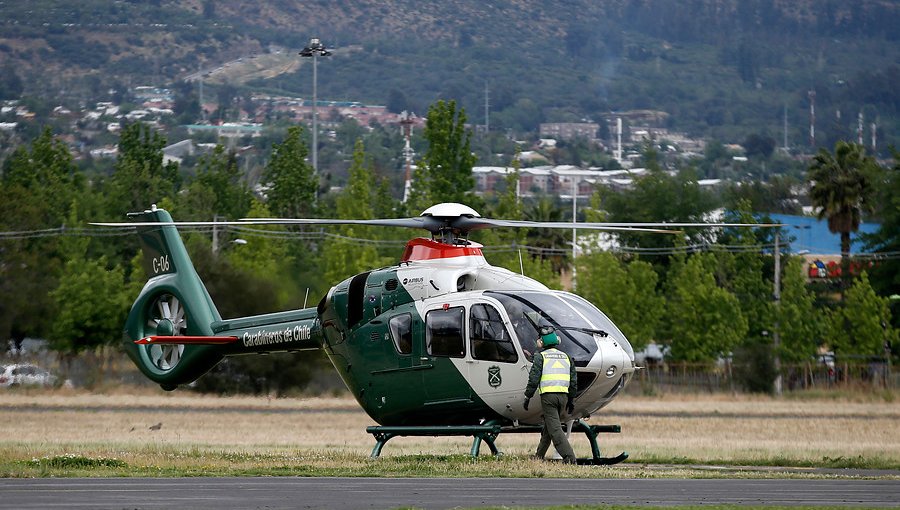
[(554, 407)]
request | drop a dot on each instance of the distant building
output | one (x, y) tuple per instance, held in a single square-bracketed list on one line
[(569, 130), (554, 180)]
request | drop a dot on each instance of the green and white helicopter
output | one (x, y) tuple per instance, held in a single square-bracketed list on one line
[(438, 344)]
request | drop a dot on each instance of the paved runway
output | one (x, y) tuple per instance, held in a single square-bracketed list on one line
[(430, 493)]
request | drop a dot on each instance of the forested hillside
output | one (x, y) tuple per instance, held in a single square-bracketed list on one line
[(720, 69)]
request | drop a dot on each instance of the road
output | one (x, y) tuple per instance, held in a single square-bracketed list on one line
[(431, 493)]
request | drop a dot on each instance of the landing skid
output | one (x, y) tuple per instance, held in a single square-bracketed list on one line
[(489, 432)]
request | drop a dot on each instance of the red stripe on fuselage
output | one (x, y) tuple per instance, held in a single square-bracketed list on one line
[(194, 340), (427, 249)]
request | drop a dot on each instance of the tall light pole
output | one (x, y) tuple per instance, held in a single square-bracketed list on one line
[(315, 49)]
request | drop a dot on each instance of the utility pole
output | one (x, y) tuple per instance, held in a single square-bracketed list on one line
[(776, 335), (406, 123), (487, 109), (315, 49), (574, 230), (812, 119), (215, 236), (785, 129)]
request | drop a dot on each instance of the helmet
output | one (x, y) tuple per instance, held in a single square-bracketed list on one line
[(548, 336)]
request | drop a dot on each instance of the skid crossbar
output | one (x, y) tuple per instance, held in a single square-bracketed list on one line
[(486, 433), (489, 432)]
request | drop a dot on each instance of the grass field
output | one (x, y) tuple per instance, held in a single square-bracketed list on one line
[(150, 433)]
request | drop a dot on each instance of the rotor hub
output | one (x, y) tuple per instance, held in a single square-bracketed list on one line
[(165, 328)]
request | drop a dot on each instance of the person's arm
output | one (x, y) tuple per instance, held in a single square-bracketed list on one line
[(534, 377), (573, 379)]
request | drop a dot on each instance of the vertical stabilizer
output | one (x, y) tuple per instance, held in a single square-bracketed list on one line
[(174, 302)]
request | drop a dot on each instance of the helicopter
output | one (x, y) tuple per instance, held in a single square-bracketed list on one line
[(440, 342)]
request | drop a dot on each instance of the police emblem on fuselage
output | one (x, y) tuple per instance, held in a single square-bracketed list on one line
[(494, 379)]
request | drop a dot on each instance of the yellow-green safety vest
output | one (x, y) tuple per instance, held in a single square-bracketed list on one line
[(556, 372)]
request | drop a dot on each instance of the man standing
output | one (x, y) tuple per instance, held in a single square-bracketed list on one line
[(554, 372)]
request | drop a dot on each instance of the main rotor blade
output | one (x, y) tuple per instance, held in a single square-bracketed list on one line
[(381, 222), (392, 222), (469, 224), (698, 225), (166, 223)]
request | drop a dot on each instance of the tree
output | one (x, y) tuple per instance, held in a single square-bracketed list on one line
[(704, 320), (344, 256), (46, 175), (11, 86), (886, 274), (291, 180), (90, 304), (759, 145), (625, 292), (655, 197), (507, 247), (39, 186), (800, 323), (217, 189), (141, 177), (445, 171), (90, 301), (862, 324), (842, 187)]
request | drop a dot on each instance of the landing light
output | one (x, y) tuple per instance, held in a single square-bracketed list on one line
[(611, 371)]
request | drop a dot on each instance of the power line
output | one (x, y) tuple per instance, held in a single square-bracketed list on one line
[(319, 235)]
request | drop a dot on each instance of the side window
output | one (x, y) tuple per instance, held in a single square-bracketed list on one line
[(401, 332), (489, 337), (444, 332)]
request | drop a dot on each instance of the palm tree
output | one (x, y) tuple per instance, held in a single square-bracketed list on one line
[(842, 186)]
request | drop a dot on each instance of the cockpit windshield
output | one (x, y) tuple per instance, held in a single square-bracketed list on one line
[(576, 321)]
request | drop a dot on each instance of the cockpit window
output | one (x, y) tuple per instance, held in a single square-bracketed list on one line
[(490, 340), (598, 318), (528, 311)]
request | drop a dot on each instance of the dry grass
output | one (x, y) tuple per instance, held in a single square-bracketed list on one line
[(259, 435)]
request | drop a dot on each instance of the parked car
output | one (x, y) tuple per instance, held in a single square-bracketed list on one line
[(25, 375)]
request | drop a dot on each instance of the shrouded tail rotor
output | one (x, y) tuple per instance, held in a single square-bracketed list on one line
[(167, 318), (173, 303)]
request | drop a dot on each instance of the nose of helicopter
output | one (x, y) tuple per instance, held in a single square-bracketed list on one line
[(612, 365), (616, 358)]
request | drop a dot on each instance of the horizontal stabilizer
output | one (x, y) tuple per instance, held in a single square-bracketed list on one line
[(189, 340)]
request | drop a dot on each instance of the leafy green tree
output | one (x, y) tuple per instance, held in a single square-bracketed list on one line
[(862, 324), (265, 257), (343, 256), (216, 190), (445, 171), (508, 248), (90, 301), (800, 322), (656, 197), (741, 270), (90, 304), (46, 175), (703, 319), (625, 292), (552, 245), (842, 187), (141, 178), (39, 185), (292, 181), (886, 274), (11, 86)]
